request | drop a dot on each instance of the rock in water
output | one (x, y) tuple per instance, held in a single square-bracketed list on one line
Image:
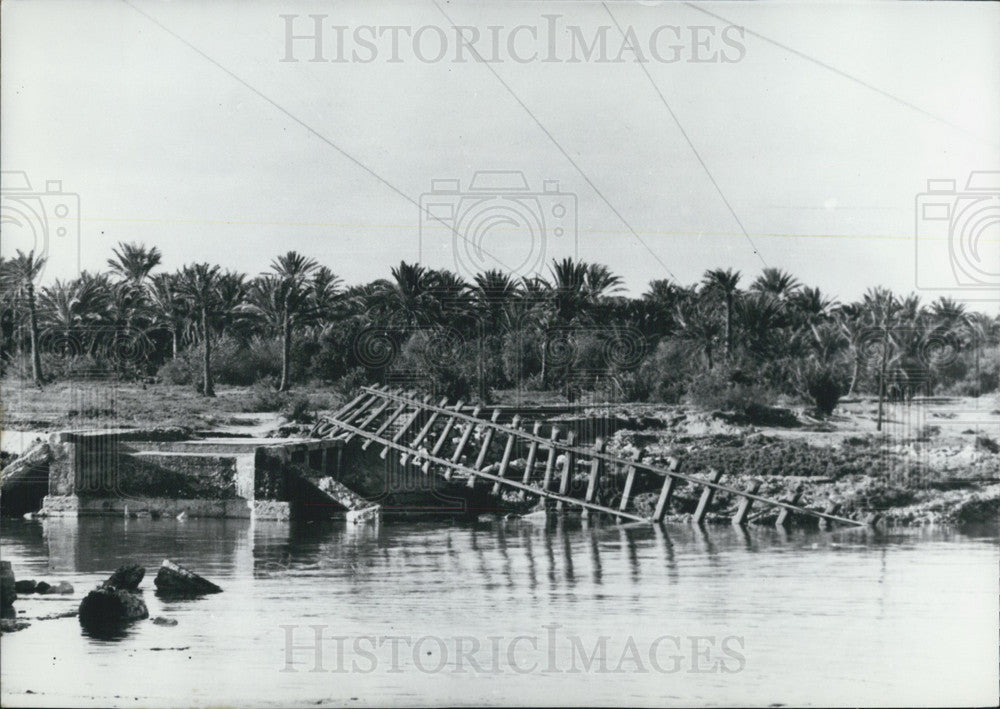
[(173, 579), (12, 625), (42, 587), (25, 586), (63, 587), (106, 606), (127, 577), (7, 584)]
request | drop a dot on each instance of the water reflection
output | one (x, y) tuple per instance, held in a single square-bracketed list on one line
[(813, 607)]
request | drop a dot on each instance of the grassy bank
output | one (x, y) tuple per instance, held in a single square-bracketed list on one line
[(111, 404)]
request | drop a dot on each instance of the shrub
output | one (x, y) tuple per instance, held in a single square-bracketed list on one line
[(664, 374), (725, 390), (264, 397), (298, 409), (440, 364), (233, 362), (177, 371), (824, 382)]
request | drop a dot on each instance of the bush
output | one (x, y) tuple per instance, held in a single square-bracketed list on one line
[(264, 397), (298, 409), (825, 383), (439, 363), (233, 362), (665, 373), (725, 390)]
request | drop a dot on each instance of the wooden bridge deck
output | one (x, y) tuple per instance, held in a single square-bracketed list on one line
[(386, 417)]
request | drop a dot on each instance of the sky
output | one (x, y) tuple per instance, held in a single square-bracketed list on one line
[(792, 135)]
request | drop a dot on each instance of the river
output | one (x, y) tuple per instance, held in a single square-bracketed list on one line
[(512, 612)]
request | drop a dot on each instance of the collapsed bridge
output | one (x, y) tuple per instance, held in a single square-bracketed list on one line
[(471, 445)]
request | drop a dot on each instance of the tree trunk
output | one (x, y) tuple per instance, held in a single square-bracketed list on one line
[(209, 389), (855, 374), (729, 325), (286, 349), (881, 378), (36, 359), (481, 366), (173, 342), (545, 372)]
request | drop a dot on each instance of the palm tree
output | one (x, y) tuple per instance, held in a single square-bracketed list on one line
[(408, 299), (325, 289), (493, 294), (761, 316), (198, 284), (22, 271), (724, 282), (776, 282), (133, 262), (698, 327), (292, 270), (169, 309), (883, 309)]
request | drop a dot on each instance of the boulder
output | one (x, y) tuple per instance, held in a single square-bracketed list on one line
[(106, 606), (42, 587), (127, 577), (174, 580), (25, 586), (7, 585), (164, 621), (12, 625), (63, 587)]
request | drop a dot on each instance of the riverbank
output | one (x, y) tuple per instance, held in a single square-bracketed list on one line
[(935, 461)]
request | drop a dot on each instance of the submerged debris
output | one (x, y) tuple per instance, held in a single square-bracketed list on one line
[(174, 580), (117, 601)]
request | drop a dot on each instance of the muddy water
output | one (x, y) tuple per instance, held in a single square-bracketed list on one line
[(513, 612)]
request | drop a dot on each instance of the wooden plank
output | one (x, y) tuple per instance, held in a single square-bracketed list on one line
[(457, 455), (511, 483), (627, 491), (508, 450), (666, 492), (481, 458), (415, 443), (368, 419), (529, 463), (567, 471), (831, 509), (706, 499), (595, 471), (406, 427), (342, 411), (743, 509), (784, 515), (385, 424), (647, 467), (550, 464), (443, 436)]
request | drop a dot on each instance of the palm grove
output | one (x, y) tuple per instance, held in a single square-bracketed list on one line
[(725, 342)]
